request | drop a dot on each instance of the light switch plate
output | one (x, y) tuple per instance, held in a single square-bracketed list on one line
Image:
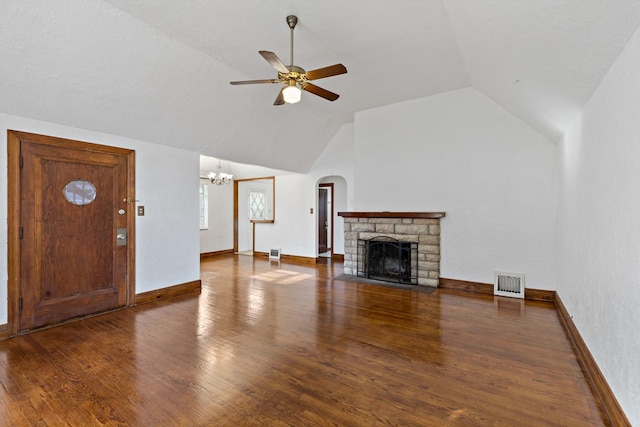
[(140, 210)]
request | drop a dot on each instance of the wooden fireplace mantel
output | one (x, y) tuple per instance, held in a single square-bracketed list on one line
[(387, 214)]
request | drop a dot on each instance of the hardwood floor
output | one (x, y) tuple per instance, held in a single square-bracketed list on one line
[(285, 345)]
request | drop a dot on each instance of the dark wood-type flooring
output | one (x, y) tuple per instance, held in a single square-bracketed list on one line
[(285, 345)]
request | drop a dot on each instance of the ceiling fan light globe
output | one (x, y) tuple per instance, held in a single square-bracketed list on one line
[(291, 94)]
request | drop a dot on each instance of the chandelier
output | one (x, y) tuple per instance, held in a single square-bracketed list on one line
[(220, 178)]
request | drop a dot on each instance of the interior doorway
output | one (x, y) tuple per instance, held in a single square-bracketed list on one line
[(325, 219), (253, 203), (71, 232)]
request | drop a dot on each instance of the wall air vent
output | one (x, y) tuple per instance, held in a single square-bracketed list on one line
[(274, 254), (509, 285)]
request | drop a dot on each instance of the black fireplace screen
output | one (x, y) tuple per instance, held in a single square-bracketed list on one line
[(388, 259)]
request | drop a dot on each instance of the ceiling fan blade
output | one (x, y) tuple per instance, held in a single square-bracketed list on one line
[(317, 90), (321, 73), (280, 98), (275, 62), (255, 82)]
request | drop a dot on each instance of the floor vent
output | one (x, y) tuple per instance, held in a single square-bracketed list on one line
[(274, 254), (509, 285)]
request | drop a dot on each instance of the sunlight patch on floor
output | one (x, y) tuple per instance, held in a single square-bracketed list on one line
[(284, 277)]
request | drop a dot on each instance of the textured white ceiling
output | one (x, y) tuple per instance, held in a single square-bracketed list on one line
[(541, 59), (159, 70)]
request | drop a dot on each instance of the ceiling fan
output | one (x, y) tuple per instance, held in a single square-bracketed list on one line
[(294, 78)]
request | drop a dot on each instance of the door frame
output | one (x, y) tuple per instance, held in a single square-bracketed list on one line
[(253, 221), (13, 214), (330, 213)]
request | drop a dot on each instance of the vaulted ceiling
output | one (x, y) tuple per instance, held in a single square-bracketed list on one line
[(159, 70)]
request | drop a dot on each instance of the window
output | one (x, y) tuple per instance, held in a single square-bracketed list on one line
[(257, 205), (79, 192), (204, 206)]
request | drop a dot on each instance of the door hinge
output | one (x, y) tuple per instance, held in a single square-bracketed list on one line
[(20, 232), (20, 303)]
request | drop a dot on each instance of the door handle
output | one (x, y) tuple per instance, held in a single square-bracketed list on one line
[(121, 237)]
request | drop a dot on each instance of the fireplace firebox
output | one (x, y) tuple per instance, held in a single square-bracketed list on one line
[(388, 259)]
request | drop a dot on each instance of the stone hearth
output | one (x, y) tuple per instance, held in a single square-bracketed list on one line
[(421, 227)]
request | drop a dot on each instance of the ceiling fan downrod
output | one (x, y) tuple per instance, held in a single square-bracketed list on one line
[(292, 20)]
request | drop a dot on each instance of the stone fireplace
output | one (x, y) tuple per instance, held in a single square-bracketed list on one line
[(419, 228)]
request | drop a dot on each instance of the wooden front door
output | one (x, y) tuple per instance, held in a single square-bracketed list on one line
[(75, 229)]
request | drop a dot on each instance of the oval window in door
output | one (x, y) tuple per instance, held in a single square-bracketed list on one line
[(79, 192)]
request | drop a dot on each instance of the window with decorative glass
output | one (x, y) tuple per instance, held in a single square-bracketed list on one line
[(257, 205), (204, 206)]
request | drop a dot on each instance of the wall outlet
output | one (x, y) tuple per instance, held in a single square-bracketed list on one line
[(140, 210)]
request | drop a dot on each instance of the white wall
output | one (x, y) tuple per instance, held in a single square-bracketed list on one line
[(219, 235), (461, 153), (294, 228), (599, 227), (335, 164), (166, 184), (339, 205), (337, 160)]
